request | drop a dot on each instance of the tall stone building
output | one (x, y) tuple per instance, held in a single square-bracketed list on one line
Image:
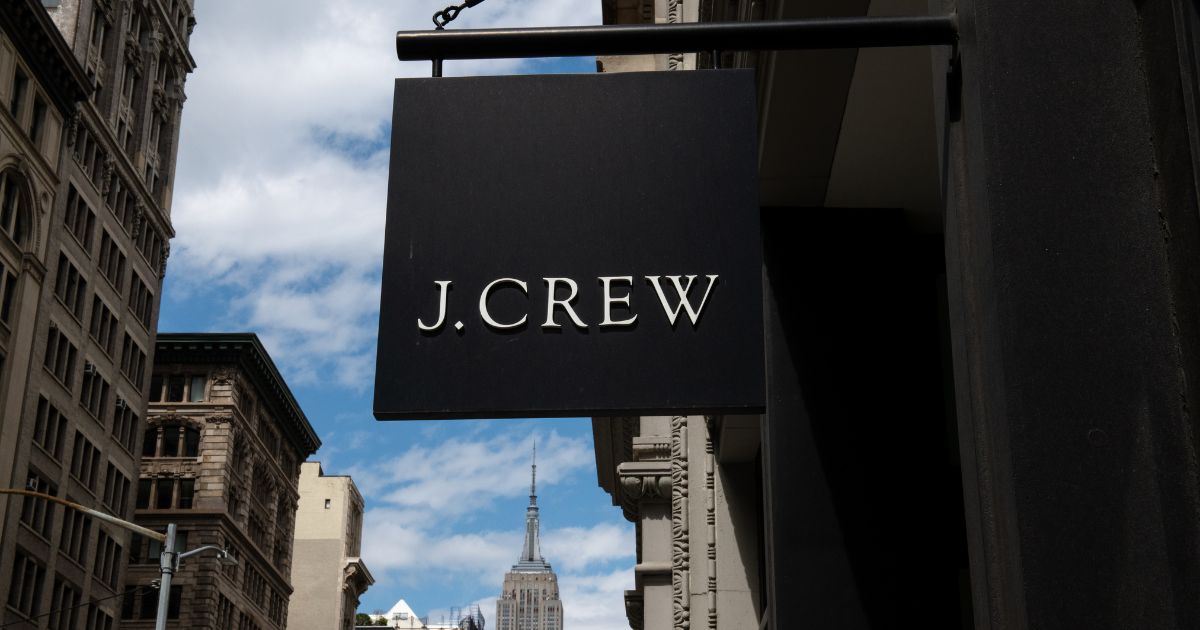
[(328, 537), (92, 92), (529, 600), (221, 456)]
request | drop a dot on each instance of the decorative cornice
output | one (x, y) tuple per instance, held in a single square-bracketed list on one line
[(645, 481), (635, 605), (246, 350)]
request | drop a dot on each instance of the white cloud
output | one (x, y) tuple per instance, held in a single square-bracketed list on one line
[(577, 548), (405, 544), (462, 474), (595, 602), (281, 182)]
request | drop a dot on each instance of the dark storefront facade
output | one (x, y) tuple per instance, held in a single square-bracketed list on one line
[(981, 330)]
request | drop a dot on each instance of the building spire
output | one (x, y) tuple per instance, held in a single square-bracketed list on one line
[(531, 552)]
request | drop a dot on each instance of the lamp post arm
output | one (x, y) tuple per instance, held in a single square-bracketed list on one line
[(109, 518), (188, 554)]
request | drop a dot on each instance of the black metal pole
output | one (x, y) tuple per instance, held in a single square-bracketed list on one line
[(574, 41)]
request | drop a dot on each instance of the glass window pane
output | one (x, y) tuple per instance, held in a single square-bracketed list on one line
[(143, 493), (191, 443), (186, 489), (162, 500), (175, 389), (156, 384), (150, 442), (170, 445), (196, 390)]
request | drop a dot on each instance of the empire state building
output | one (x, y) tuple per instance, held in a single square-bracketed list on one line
[(529, 600)]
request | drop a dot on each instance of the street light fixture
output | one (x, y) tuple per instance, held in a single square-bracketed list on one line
[(168, 561)]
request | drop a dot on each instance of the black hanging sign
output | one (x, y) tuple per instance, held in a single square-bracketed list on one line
[(563, 245)]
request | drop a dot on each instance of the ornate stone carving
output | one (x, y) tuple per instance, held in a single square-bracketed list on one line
[(160, 102), (217, 419), (634, 609), (645, 483), (107, 174), (162, 262), (133, 50), (648, 449), (73, 126), (138, 219), (680, 551), (224, 376), (675, 16), (710, 517)]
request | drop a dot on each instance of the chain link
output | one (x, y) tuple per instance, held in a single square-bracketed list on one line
[(447, 15)]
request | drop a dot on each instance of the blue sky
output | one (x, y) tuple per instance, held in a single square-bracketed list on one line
[(279, 210)]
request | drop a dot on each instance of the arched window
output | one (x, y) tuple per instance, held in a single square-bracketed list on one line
[(14, 208)]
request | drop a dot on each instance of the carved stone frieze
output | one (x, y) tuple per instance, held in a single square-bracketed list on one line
[(680, 550), (710, 517), (218, 419)]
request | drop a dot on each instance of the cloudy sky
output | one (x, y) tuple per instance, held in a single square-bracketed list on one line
[(279, 213)]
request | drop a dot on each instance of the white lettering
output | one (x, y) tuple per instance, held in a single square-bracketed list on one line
[(552, 301), (483, 309), (609, 300), (694, 315), (443, 287)]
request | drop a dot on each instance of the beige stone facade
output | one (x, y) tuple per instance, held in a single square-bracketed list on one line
[(694, 507), (92, 93), (329, 523), (221, 457)]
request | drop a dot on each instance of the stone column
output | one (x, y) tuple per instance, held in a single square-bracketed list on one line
[(646, 496)]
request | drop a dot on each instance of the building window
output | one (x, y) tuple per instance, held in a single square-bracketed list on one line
[(79, 219), (16, 97), (98, 618), (60, 356), (85, 462), (116, 490), (165, 493), (37, 513), (124, 424), (328, 503), (112, 260), (76, 531), (38, 124), (196, 388), (8, 287), (143, 494), (103, 327), (64, 602), (93, 396), (171, 440), (133, 361), (70, 287), (176, 388), (49, 428), (25, 589), (13, 215), (141, 301), (108, 560)]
